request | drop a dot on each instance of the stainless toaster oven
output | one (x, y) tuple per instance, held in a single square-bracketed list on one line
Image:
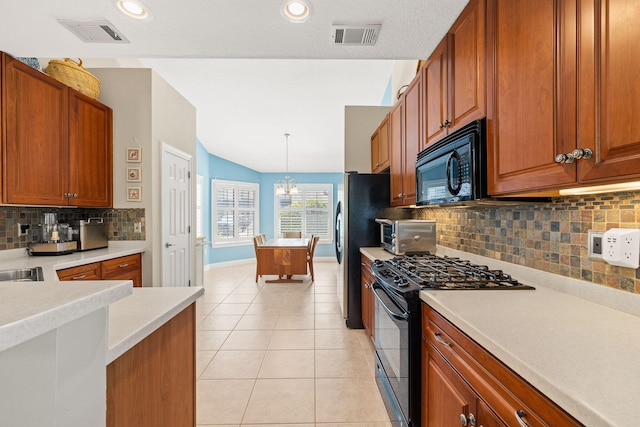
[(407, 235)]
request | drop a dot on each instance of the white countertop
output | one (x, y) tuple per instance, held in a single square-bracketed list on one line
[(376, 253), (581, 354), (134, 318), (30, 309)]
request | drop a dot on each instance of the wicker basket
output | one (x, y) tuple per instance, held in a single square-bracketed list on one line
[(75, 75)]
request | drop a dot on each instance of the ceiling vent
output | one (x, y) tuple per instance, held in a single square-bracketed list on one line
[(94, 31), (355, 35)]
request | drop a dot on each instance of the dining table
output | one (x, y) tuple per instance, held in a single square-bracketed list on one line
[(282, 257)]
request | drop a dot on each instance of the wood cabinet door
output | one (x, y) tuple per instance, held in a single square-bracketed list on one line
[(123, 268), (609, 95), (90, 153), (446, 397), (396, 153), (383, 144), (485, 416), (466, 56), (375, 151), (435, 94), (81, 272), (35, 140), (531, 89), (368, 299), (413, 137), (380, 147)]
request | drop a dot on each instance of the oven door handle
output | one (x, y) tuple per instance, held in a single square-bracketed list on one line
[(399, 316)]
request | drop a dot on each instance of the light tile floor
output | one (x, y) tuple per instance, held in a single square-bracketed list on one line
[(279, 354)]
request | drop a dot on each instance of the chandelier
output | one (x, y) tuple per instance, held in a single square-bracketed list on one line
[(287, 186)]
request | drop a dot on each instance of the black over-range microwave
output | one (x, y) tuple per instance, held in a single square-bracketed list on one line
[(454, 169)]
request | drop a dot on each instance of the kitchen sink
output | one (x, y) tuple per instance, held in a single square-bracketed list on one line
[(22, 275)]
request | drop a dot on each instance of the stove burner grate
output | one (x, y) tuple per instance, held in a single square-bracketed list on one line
[(433, 272)]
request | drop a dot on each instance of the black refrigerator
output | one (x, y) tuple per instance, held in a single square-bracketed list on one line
[(361, 199)]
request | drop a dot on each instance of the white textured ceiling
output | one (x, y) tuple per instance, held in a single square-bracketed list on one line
[(251, 74)]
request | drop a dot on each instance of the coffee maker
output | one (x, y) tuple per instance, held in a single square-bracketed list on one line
[(53, 238)]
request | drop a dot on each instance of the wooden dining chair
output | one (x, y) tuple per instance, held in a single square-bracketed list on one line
[(312, 248), (292, 234), (257, 241), (261, 238)]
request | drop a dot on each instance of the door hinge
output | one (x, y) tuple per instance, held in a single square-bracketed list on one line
[(189, 284), (188, 229), (189, 174)]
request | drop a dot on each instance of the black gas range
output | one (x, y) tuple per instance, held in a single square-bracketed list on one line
[(398, 320), (423, 270)]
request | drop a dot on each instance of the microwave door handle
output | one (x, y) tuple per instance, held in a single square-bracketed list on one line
[(399, 316), (454, 162), (384, 221)]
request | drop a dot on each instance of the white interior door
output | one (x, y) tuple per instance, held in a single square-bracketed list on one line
[(176, 217)]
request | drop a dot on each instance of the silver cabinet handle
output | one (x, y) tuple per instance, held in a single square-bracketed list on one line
[(519, 415), (123, 265), (168, 245), (564, 158), (79, 277), (580, 153), (438, 338), (472, 420), (463, 420)]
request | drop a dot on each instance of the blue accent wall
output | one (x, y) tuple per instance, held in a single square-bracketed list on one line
[(212, 167)]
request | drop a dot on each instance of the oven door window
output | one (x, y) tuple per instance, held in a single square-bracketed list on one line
[(392, 344)]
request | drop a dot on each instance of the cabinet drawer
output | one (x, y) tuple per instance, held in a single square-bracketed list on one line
[(82, 272), (503, 390), (116, 267)]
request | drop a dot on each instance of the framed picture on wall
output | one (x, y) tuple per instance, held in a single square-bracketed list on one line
[(134, 194), (134, 174), (134, 154)]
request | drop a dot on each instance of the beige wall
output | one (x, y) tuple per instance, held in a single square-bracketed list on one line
[(146, 112), (174, 123), (359, 124)]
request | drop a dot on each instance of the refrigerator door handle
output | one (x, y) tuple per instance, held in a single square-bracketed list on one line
[(338, 232)]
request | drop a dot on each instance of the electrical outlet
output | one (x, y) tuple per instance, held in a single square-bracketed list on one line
[(621, 247), (137, 227), (595, 245), (23, 229)]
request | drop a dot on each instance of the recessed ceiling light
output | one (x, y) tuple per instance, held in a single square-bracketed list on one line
[(133, 8), (296, 10)]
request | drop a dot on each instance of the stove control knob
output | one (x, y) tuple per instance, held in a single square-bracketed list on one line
[(378, 263), (400, 281)]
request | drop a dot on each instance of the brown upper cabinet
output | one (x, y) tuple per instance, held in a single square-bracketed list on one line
[(403, 150), (454, 78), (380, 147), (57, 143), (564, 99), (609, 90)]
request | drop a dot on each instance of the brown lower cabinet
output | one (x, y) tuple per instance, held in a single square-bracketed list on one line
[(122, 268), (153, 384), (367, 297), (463, 384)]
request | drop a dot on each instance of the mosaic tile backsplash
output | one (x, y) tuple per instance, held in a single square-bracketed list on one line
[(119, 222), (552, 236)]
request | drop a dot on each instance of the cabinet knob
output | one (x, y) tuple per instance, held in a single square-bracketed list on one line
[(168, 245), (564, 158), (580, 153), (447, 123), (463, 420), (472, 420), (75, 194)]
